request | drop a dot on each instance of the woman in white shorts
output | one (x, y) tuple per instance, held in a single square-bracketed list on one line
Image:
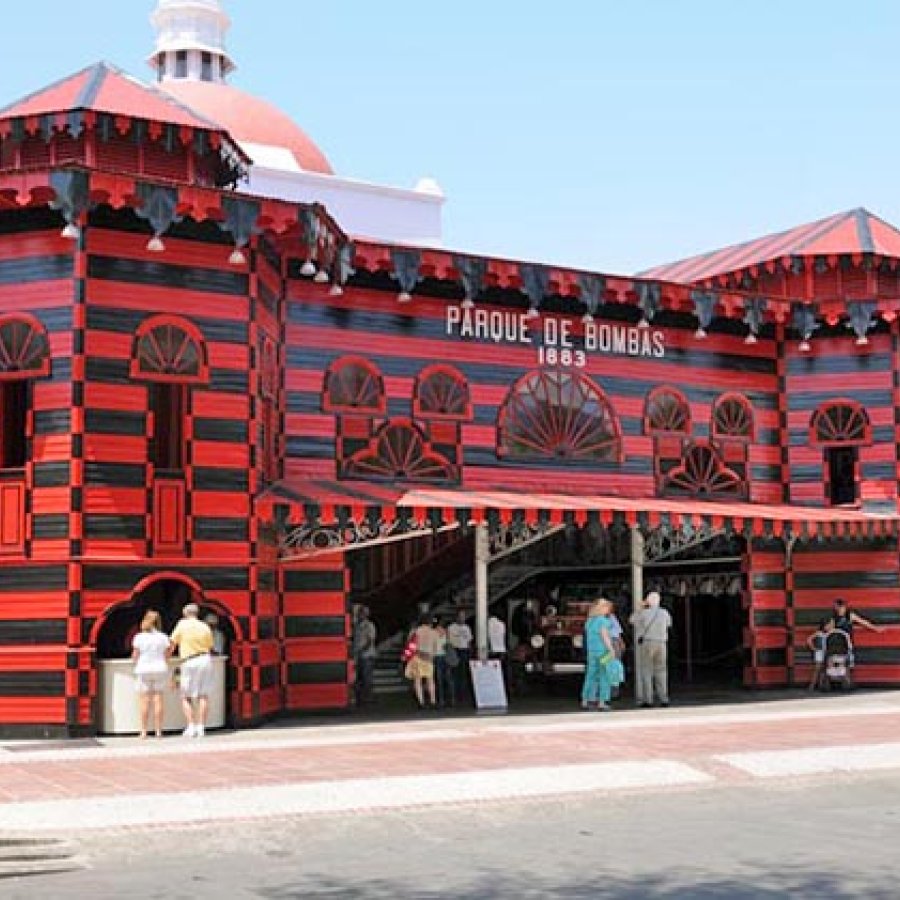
[(150, 652)]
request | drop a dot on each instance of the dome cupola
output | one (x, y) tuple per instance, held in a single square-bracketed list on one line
[(190, 41), (192, 64)]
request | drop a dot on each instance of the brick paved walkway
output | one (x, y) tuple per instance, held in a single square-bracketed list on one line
[(251, 773)]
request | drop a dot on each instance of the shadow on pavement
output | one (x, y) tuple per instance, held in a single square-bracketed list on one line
[(792, 882)]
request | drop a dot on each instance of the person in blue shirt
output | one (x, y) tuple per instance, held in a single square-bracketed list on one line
[(599, 654)]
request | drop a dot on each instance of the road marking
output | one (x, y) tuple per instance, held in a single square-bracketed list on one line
[(355, 795), (815, 760)]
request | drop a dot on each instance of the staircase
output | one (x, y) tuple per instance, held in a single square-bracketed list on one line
[(388, 676), (460, 594)]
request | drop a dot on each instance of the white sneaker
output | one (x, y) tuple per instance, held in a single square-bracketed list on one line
[(199, 731), (190, 731)]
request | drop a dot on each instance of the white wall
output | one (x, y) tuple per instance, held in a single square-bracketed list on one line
[(362, 210)]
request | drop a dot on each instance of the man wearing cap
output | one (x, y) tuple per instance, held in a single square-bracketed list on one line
[(193, 640), (651, 633)]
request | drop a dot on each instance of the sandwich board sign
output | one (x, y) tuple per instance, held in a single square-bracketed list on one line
[(488, 685)]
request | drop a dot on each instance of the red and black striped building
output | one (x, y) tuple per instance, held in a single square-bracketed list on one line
[(205, 393)]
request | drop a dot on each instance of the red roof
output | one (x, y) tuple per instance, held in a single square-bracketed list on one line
[(249, 119), (854, 231), (103, 88)]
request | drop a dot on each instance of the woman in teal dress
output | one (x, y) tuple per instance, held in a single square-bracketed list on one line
[(599, 654)]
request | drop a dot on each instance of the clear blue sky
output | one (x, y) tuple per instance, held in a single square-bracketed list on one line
[(609, 134)]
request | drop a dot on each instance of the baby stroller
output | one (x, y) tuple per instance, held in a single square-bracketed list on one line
[(838, 660)]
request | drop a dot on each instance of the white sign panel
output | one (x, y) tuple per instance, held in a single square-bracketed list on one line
[(488, 685)]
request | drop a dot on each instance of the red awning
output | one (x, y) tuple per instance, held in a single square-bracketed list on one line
[(327, 502)]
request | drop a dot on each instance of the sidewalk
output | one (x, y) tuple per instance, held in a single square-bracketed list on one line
[(361, 767)]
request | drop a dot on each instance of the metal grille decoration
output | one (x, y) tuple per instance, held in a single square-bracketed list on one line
[(441, 393), (841, 422), (667, 413), (732, 418), (399, 453), (558, 415), (353, 385), (702, 473), (167, 351), (316, 536), (24, 348), (668, 541)]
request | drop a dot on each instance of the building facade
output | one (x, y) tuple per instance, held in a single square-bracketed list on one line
[(207, 393)]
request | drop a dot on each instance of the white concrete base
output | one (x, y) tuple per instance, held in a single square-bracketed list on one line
[(119, 700)]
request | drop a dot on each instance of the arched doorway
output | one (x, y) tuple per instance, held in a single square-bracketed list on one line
[(167, 593)]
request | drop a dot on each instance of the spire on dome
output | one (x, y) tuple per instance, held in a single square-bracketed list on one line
[(190, 41)]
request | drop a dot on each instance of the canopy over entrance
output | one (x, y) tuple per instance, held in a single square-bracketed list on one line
[(325, 516)]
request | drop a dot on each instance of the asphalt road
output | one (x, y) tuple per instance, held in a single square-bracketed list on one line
[(817, 838)]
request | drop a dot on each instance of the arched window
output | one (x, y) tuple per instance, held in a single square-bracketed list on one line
[(842, 422), (353, 385), (398, 453), (169, 349), (441, 393), (24, 348), (557, 415), (170, 354), (703, 474), (24, 355), (840, 427), (732, 418), (667, 413)]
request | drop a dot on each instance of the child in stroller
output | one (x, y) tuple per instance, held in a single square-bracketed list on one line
[(838, 659)]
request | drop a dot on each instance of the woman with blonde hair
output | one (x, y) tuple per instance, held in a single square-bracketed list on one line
[(150, 651), (600, 653)]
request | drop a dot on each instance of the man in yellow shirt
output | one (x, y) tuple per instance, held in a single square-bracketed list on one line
[(193, 640)]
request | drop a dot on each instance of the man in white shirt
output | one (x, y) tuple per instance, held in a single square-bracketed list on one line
[(496, 637), (651, 633), (497, 641), (460, 637)]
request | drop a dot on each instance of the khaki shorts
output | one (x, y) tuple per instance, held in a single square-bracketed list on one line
[(418, 669), (197, 677)]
